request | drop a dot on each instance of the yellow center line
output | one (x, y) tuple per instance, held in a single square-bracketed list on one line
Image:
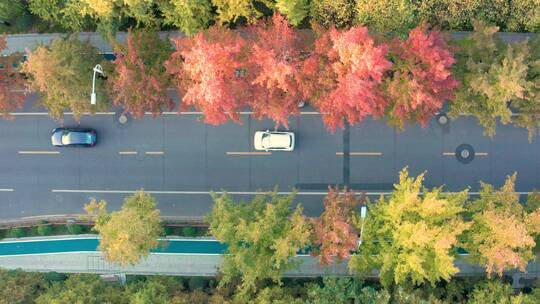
[(361, 153), (128, 152), (249, 153), (154, 153), (39, 152)]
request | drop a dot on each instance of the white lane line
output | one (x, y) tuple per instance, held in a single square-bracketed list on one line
[(6, 190), (361, 153), (476, 154), (154, 153), (315, 193), (39, 152), (128, 152), (249, 153), (65, 113)]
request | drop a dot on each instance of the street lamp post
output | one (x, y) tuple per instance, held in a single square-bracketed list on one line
[(97, 69), (363, 214)]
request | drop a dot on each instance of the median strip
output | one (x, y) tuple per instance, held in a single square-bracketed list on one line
[(361, 153), (249, 153), (39, 152)]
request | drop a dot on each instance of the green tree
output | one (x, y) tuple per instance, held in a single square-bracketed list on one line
[(66, 13), (295, 10), (409, 235), (62, 74), (497, 292), (80, 288), (276, 295), (230, 11), (152, 291), (338, 13), (10, 80), (11, 9), (262, 237), (524, 16), (189, 16), (496, 77), (500, 238), (129, 234), (17, 286), (387, 16), (143, 11), (344, 291)]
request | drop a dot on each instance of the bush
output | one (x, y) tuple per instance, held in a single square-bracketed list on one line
[(386, 15), (195, 283), (11, 9), (17, 232), (525, 16), (189, 231), (44, 228), (333, 12), (168, 230), (53, 276), (74, 228)]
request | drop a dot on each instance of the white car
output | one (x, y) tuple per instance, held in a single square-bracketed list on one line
[(274, 141)]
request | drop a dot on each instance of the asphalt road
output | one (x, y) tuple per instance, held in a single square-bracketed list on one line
[(179, 160)]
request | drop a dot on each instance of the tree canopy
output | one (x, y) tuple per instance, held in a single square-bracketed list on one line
[(139, 82), (335, 235), (343, 76), (262, 237), (409, 235), (129, 234), (11, 82), (502, 233), (63, 78)]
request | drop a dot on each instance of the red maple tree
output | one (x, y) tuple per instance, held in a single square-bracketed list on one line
[(343, 76), (11, 83), (140, 82), (210, 73), (334, 232), (275, 62), (421, 77)]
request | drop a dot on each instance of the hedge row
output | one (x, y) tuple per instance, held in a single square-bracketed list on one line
[(43, 228), (193, 16)]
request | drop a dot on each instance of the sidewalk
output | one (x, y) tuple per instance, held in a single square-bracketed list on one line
[(22, 42)]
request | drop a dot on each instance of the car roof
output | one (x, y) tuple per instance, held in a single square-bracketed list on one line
[(273, 140), (78, 137)]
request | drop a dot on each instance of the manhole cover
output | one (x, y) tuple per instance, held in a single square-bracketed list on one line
[(465, 153), (121, 119), (442, 119)]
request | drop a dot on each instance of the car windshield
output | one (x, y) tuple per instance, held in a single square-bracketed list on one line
[(76, 138)]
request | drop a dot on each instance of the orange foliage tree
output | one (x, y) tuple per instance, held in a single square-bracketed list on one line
[(11, 83), (275, 62), (421, 79), (140, 83), (343, 76), (334, 232), (209, 73), (501, 237)]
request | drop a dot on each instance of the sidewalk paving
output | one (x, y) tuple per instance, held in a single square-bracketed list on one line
[(22, 42)]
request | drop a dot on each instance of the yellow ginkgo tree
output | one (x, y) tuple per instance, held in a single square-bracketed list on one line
[(127, 235), (410, 235)]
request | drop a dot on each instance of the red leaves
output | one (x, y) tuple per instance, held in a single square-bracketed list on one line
[(347, 76), (422, 79), (346, 71), (10, 80), (140, 84), (209, 71), (333, 231), (275, 62)]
